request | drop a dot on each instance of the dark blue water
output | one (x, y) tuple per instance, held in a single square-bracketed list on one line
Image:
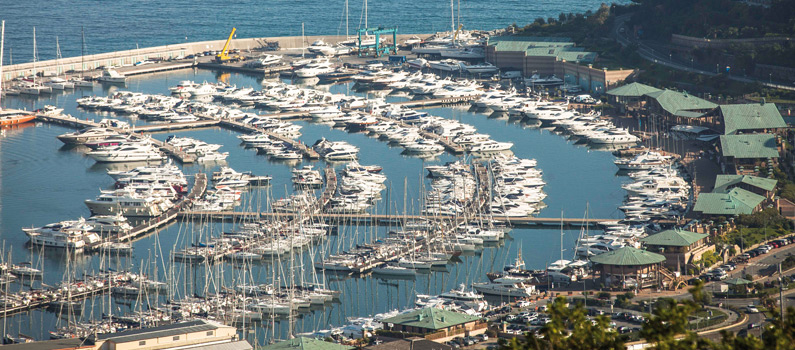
[(125, 24), (42, 181)]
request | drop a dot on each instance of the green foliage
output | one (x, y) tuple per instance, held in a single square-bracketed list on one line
[(570, 329), (769, 218), (624, 300), (714, 19), (667, 328), (708, 259)]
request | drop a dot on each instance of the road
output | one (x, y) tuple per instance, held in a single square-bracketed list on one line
[(665, 59)]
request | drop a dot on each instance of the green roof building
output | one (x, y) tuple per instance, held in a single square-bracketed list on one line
[(303, 343), (745, 154), (762, 186), (552, 56), (679, 247), (636, 90), (751, 117), (679, 103), (436, 324), (751, 146), (631, 268), (734, 202)]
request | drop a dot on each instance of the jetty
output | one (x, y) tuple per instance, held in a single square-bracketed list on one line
[(198, 190), (331, 187), (389, 219), (432, 102), (307, 151)]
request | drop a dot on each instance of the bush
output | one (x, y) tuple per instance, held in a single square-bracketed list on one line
[(624, 300)]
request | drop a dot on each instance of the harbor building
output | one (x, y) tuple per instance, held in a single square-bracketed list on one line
[(762, 186), (304, 343), (750, 118), (199, 335), (726, 204), (436, 324), (630, 97), (193, 335), (679, 247), (546, 56), (629, 268), (746, 154), (414, 343), (681, 108)]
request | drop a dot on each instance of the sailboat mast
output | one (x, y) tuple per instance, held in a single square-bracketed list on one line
[(365, 14), (34, 55), (346, 20), (82, 51), (2, 41), (452, 16)]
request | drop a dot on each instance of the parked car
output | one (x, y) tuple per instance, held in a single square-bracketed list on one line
[(751, 309)]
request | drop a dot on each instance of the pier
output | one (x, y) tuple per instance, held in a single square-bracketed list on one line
[(174, 126), (388, 219), (239, 67), (331, 187), (303, 148), (432, 102), (199, 187)]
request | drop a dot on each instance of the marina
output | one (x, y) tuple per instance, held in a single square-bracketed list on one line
[(362, 187)]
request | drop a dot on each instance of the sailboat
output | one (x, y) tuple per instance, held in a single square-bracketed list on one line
[(82, 81), (33, 87), (57, 83), (9, 116)]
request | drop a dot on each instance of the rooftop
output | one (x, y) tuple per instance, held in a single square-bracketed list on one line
[(751, 116), (675, 102), (159, 332), (303, 343), (431, 318), (749, 146), (410, 344), (628, 256), (734, 202), (632, 90), (722, 182), (674, 238), (560, 48), (49, 345)]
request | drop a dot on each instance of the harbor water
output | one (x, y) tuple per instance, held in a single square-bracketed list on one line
[(43, 181), (114, 26)]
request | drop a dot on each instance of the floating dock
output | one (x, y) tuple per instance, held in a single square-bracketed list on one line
[(385, 220), (303, 148), (199, 187)]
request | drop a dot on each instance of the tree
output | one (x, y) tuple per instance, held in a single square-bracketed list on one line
[(570, 329)]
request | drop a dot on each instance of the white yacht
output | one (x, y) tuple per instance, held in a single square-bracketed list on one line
[(112, 76), (87, 135), (505, 289), (65, 234), (643, 161), (109, 224), (491, 146), (313, 70), (392, 270), (127, 153), (128, 203), (448, 65), (480, 68)]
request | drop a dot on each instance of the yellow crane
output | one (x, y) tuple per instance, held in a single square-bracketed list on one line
[(224, 56), (455, 36)]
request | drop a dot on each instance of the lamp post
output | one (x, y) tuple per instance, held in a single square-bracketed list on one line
[(770, 78)]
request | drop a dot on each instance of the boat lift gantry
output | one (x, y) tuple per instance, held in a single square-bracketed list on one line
[(378, 31)]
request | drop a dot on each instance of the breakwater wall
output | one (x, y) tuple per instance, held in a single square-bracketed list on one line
[(87, 63)]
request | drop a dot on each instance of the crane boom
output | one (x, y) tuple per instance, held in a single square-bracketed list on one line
[(223, 56)]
